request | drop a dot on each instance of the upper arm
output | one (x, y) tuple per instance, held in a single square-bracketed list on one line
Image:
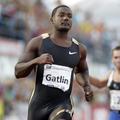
[(82, 66), (31, 50)]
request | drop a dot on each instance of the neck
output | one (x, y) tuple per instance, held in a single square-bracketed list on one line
[(63, 35)]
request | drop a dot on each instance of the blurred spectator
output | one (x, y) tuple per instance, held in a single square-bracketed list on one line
[(11, 22), (1, 103), (38, 22)]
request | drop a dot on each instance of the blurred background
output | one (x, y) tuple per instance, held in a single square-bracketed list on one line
[(95, 24)]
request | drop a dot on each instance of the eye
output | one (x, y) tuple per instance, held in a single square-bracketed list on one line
[(69, 15), (61, 15), (116, 57)]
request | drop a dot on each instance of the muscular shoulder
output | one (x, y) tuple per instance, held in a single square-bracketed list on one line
[(35, 43), (82, 48)]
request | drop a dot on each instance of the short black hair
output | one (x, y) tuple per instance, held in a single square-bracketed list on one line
[(55, 9), (116, 48)]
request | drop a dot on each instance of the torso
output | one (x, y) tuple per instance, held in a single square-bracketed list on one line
[(59, 85), (114, 88)]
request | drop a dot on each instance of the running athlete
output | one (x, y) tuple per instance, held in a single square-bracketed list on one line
[(112, 81), (56, 56)]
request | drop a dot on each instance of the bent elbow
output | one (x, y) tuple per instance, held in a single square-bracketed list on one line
[(17, 73)]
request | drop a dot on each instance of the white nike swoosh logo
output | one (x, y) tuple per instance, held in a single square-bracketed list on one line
[(72, 53)]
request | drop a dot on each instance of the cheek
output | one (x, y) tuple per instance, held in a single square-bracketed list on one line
[(56, 22), (116, 62), (113, 61), (71, 23)]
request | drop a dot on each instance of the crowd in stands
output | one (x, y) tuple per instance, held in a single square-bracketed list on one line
[(22, 20), (97, 36)]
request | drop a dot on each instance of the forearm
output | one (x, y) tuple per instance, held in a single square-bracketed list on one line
[(98, 83), (86, 86), (95, 82), (24, 69), (85, 78)]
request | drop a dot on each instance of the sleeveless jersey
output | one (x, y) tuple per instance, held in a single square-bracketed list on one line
[(114, 88), (54, 82)]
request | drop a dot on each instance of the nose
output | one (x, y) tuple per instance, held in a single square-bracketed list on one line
[(66, 18)]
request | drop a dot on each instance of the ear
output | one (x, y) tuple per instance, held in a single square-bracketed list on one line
[(51, 19)]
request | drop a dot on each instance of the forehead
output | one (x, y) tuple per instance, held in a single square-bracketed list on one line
[(116, 53), (63, 10)]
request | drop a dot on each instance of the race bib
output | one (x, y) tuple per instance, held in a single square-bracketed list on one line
[(57, 76), (115, 100)]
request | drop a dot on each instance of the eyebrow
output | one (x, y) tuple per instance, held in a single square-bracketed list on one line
[(62, 12)]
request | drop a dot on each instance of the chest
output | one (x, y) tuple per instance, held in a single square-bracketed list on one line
[(66, 56), (115, 85), (116, 77)]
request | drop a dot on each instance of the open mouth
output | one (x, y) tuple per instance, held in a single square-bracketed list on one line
[(65, 24)]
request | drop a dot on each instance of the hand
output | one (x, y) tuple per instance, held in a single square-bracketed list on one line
[(45, 58), (88, 93)]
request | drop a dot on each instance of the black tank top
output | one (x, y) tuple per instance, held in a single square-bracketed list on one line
[(114, 86), (63, 56)]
